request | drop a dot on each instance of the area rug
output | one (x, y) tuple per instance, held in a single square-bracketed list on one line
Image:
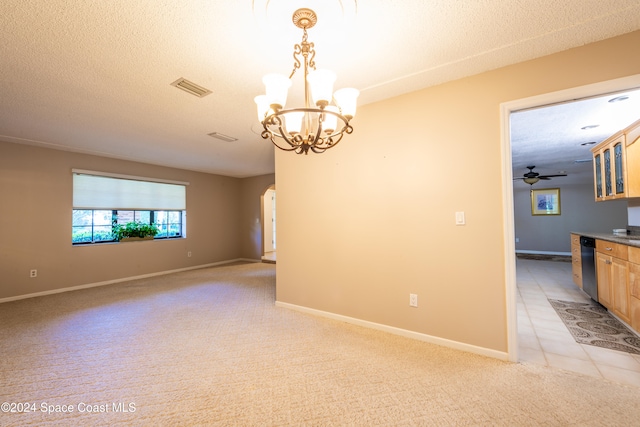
[(590, 323), (543, 257)]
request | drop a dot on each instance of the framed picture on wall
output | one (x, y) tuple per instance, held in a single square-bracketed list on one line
[(545, 202)]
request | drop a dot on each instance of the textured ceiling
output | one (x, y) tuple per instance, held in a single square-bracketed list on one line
[(95, 77)]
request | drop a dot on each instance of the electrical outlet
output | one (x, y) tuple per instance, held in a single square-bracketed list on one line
[(33, 273), (189, 254), (413, 300)]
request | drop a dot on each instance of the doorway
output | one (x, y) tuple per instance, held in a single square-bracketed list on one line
[(506, 109), (268, 204)]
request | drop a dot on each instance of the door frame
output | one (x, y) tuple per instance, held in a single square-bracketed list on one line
[(506, 108)]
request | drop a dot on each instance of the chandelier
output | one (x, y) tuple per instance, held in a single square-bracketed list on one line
[(318, 125)]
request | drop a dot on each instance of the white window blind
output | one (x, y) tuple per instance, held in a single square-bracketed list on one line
[(95, 190)]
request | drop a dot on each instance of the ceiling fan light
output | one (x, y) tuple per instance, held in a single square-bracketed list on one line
[(531, 181), (321, 84), (277, 87), (347, 99)]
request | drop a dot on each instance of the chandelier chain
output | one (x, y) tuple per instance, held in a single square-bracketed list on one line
[(307, 51)]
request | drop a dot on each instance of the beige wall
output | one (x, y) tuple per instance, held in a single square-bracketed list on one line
[(365, 224), (35, 222)]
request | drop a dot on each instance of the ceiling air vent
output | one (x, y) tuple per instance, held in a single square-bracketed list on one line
[(191, 87), (222, 136)]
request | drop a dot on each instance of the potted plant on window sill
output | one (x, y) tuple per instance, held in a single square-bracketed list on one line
[(134, 231)]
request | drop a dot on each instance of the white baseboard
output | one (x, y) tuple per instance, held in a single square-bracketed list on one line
[(124, 279), (543, 253), (402, 332)]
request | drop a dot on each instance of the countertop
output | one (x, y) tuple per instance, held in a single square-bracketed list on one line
[(629, 240)]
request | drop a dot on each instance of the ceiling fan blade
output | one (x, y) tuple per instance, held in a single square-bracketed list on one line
[(533, 177), (550, 176)]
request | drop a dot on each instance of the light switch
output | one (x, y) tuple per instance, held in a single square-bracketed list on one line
[(460, 218)]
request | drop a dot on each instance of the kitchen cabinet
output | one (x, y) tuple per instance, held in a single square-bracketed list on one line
[(603, 277), (612, 270), (617, 262), (620, 289), (634, 287), (576, 260), (614, 178), (608, 169)]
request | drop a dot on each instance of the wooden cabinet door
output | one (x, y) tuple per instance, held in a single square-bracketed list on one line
[(597, 176), (576, 270), (632, 160), (634, 291), (620, 288), (619, 173), (610, 168), (603, 272), (634, 278), (635, 313)]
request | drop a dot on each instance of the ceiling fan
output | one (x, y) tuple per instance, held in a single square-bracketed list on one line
[(532, 177)]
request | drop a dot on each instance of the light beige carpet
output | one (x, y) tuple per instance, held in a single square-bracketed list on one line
[(208, 347)]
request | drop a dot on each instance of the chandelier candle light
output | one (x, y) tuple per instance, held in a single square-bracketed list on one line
[(318, 126)]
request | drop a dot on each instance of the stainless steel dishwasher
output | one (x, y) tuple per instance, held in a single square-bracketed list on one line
[(587, 253)]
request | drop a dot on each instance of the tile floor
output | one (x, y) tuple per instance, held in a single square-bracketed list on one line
[(545, 340)]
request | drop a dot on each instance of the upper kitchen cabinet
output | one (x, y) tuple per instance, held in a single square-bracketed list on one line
[(616, 165)]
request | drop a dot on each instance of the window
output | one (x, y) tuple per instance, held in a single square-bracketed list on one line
[(169, 222), (96, 226), (91, 226), (102, 200)]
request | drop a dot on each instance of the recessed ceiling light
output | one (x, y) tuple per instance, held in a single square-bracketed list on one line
[(222, 136), (589, 127), (589, 143), (619, 98)]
